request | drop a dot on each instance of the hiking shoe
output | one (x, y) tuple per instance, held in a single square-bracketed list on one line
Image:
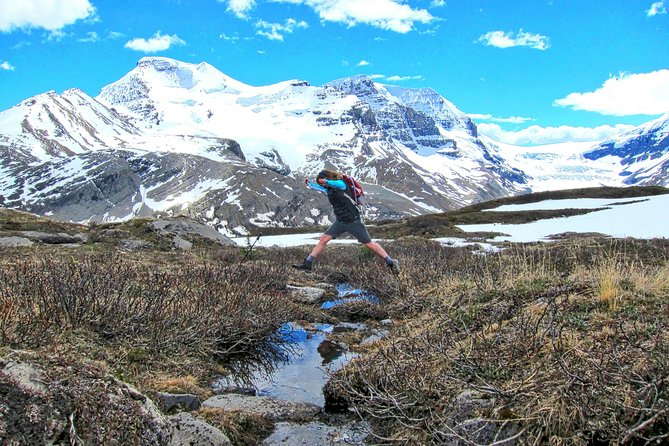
[(303, 266), (394, 266)]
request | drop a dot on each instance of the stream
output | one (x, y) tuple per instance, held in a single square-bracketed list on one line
[(304, 371)]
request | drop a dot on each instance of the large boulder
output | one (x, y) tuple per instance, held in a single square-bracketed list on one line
[(189, 431)]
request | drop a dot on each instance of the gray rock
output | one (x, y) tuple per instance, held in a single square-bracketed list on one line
[(376, 336), (189, 431), (316, 433), (26, 376), (482, 431), (59, 238), (14, 242), (183, 227), (306, 295), (183, 401), (268, 407), (387, 322), (181, 243), (134, 245), (328, 287), (465, 422)]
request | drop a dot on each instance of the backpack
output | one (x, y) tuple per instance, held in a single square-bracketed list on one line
[(357, 194)]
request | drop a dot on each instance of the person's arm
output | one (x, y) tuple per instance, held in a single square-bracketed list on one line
[(337, 184), (311, 184)]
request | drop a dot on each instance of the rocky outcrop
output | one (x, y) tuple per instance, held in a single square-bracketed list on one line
[(317, 433), (268, 407), (57, 403)]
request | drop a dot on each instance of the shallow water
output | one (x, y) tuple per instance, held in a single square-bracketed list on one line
[(306, 367), (306, 370), (346, 293)]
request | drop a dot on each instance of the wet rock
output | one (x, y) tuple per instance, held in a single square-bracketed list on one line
[(223, 389), (306, 295), (316, 433), (330, 350), (268, 407), (188, 430), (184, 401)]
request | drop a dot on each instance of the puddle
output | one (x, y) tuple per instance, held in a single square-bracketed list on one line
[(346, 293), (306, 368)]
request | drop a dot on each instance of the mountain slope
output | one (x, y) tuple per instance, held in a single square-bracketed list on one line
[(642, 152), (352, 124), (176, 138)]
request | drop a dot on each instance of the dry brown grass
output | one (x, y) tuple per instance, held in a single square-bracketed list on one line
[(566, 342)]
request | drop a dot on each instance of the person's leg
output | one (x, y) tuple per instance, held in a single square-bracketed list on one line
[(332, 232), (377, 249), (358, 230), (393, 264), (320, 246)]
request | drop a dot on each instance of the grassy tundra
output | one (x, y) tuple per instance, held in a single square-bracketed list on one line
[(562, 344)]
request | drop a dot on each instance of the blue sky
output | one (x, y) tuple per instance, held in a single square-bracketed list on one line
[(527, 71)]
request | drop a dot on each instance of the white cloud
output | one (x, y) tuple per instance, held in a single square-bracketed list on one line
[(656, 8), (362, 63), (234, 38), (57, 35), (159, 42), (276, 31), (537, 135), (6, 66), (397, 78), (438, 3), (625, 95), (500, 39), (491, 118), (48, 14), (240, 8), (390, 15), (91, 37)]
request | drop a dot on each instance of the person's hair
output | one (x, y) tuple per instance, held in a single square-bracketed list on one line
[(330, 175)]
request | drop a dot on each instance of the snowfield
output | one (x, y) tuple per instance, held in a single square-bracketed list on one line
[(643, 218)]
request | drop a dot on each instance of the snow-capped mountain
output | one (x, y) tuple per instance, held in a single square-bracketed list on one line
[(639, 157), (412, 142), (643, 153), (176, 138)]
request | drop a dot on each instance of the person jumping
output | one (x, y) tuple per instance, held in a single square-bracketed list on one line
[(347, 219)]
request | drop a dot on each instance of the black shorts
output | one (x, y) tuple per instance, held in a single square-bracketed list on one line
[(355, 228)]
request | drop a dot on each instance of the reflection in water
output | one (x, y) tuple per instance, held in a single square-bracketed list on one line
[(349, 294), (304, 372)]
